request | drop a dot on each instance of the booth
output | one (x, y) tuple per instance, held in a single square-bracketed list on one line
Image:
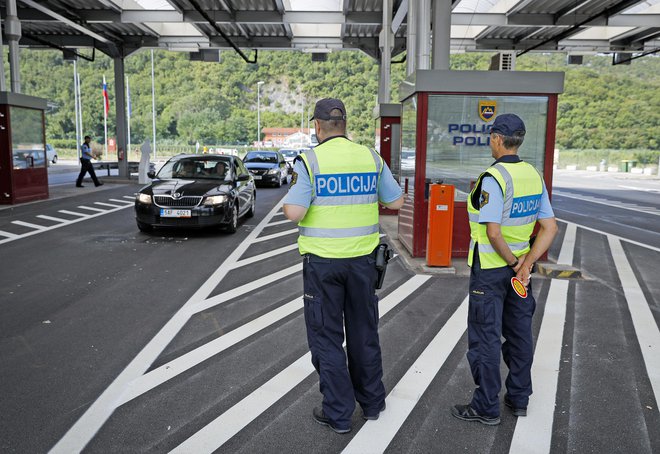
[(23, 162), (388, 136), (445, 137)]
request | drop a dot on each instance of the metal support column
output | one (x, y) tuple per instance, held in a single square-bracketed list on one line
[(13, 34), (411, 37), (120, 111), (441, 33), (386, 43), (423, 15), (3, 86)]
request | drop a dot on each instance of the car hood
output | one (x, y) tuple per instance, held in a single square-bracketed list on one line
[(187, 187), (261, 165)]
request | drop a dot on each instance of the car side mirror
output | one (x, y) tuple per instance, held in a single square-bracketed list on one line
[(151, 174), (243, 177)]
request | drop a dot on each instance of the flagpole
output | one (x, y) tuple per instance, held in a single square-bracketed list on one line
[(128, 108), (153, 102), (80, 113), (105, 123), (75, 95)]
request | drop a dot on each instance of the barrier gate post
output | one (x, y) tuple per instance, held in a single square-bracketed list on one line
[(440, 225)]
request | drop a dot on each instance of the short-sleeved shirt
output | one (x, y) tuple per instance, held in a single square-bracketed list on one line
[(86, 151), (300, 192), (491, 211)]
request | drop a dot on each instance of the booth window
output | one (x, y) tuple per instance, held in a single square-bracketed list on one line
[(27, 138), (457, 148)]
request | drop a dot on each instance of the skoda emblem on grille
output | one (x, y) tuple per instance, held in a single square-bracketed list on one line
[(176, 195)]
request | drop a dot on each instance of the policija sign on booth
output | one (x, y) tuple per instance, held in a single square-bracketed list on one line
[(445, 137)]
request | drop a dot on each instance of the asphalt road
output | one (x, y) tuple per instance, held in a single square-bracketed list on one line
[(112, 340)]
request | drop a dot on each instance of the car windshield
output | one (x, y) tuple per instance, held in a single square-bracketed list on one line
[(259, 156), (289, 153), (202, 168), (405, 154)]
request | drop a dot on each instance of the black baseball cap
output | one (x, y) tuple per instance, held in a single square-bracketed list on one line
[(325, 106), (508, 125)]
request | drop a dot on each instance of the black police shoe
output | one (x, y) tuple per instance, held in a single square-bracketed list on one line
[(517, 411), (100, 184), (467, 413), (320, 417), (374, 417)]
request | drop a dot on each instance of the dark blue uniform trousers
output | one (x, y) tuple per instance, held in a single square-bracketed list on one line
[(341, 293), (496, 311)]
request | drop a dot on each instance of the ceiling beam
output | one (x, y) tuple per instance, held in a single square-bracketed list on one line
[(67, 21)]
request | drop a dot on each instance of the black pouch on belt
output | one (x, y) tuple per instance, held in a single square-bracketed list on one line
[(383, 255)]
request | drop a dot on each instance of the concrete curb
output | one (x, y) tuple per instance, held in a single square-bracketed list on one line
[(556, 271)]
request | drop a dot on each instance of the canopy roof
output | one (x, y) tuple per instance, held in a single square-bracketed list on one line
[(119, 27)]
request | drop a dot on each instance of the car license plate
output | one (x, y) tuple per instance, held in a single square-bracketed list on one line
[(257, 177), (164, 213)]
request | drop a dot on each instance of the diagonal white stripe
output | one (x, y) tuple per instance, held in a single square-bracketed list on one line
[(275, 235), (181, 364), (52, 218), (98, 210), (225, 426), (375, 436), (265, 255), (30, 225), (109, 204), (286, 221), (98, 413)]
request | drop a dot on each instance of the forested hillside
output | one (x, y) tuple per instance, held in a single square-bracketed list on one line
[(604, 106)]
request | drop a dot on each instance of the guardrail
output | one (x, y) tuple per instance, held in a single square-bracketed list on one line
[(133, 166)]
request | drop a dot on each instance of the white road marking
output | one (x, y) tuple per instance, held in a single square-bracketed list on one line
[(98, 210), (243, 289), (274, 235), (51, 218), (191, 359), (225, 426), (265, 255), (30, 225), (79, 435), (109, 204), (609, 203), (286, 221), (375, 436), (639, 189), (75, 213), (8, 235), (533, 434), (653, 248), (132, 197), (646, 329), (120, 201), (80, 217)]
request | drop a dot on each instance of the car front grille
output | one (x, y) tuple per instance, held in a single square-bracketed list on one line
[(169, 201), (258, 171)]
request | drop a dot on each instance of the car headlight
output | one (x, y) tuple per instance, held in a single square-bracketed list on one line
[(215, 200), (144, 198), (273, 171)]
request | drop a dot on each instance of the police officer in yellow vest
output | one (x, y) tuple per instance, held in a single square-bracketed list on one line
[(507, 201), (334, 195)]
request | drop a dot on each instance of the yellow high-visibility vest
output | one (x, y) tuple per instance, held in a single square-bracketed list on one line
[(342, 219), (522, 187)]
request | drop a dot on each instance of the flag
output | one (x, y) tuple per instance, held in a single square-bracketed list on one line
[(106, 101)]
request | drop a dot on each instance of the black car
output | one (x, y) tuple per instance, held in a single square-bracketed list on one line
[(267, 167), (197, 191)]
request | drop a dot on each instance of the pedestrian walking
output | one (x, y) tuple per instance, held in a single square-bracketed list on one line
[(86, 164), (334, 195), (506, 203)]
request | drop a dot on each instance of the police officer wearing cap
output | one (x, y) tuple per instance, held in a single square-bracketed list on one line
[(334, 196), (507, 201)]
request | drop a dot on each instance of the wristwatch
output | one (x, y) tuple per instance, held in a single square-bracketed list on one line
[(514, 264)]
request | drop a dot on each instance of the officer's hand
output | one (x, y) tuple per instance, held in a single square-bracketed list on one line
[(524, 272), (521, 260)]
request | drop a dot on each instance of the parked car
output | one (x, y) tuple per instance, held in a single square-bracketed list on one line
[(197, 191), (51, 154), (267, 167), (289, 155)]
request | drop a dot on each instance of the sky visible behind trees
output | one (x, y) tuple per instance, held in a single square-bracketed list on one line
[(603, 106)]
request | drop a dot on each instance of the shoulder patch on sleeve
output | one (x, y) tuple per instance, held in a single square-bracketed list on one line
[(483, 201), (294, 179)]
